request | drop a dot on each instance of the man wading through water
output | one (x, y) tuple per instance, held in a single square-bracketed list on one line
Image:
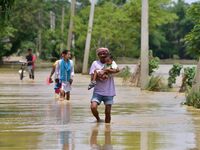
[(104, 90)]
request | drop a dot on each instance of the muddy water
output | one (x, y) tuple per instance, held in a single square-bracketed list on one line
[(31, 118)]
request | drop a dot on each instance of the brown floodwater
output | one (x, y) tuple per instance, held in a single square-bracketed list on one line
[(31, 118)]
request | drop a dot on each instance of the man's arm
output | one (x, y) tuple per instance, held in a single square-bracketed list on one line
[(92, 70), (52, 71), (110, 70), (114, 68), (91, 77)]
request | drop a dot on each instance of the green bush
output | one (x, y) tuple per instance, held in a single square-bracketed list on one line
[(125, 73), (173, 73), (187, 79), (189, 74), (156, 84), (153, 62), (193, 98)]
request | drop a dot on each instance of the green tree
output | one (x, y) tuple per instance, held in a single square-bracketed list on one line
[(5, 9), (118, 26), (174, 32), (109, 21), (193, 38), (26, 20)]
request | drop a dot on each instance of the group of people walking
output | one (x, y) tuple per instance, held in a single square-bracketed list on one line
[(101, 72)]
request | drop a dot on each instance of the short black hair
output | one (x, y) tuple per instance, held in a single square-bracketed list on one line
[(64, 52), (29, 49)]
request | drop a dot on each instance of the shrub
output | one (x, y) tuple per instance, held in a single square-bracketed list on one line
[(189, 74), (125, 73), (187, 79), (156, 84), (173, 73), (193, 98), (153, 62)]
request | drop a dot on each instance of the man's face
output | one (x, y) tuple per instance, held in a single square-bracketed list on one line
[(29, 52), (102, 55)]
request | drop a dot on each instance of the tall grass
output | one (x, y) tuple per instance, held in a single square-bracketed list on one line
[(125, 73), (193, 98), (156, 83)]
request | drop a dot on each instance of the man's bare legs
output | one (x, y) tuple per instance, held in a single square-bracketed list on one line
[(68, 96), (108, 113), (94, 110)]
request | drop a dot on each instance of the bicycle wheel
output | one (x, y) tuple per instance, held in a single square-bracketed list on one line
[(22, 74)]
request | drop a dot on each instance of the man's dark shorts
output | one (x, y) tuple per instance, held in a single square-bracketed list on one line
[(108, 100)]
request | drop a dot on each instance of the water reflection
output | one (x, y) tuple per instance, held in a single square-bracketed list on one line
[(63, 118), (196, 121), (95, 144), (65, 137), (109, 140), (63, 112)]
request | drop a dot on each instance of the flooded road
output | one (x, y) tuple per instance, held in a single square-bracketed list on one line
[(31, 118)]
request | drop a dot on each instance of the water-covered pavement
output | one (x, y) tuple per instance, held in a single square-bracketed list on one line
[(31, 118)]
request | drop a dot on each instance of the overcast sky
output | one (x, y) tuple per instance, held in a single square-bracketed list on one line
[(190, 1)]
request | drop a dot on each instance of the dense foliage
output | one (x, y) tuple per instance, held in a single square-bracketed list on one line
[(189, 74), (26, 20), (173, 73), (153, 62), (193, 38), (116, 26), (193, 98)]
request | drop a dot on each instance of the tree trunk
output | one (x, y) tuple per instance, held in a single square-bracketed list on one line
[(39, 43), (52, 20), (183, 85), (71, 24), (144, 45), (135, 80), (62, 28), (196, 82), (39, 50), (88, 39)]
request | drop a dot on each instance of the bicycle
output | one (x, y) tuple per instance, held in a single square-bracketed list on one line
[(22, 70)]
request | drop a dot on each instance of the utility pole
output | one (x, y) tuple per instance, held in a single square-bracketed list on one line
[(39, 34), (88, 39), (71, 24), (62, 28), (144, 45)]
